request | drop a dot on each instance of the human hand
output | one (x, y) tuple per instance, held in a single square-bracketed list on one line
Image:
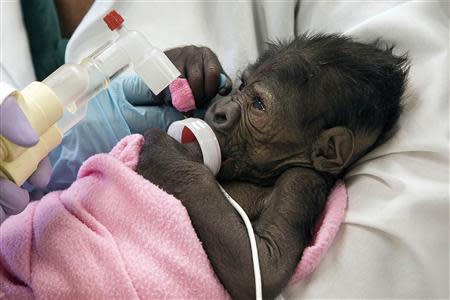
[(16, 128), (126, 107), (202, 69)]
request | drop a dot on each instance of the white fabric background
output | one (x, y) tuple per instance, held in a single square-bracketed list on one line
[(395, 240), (16, 67)]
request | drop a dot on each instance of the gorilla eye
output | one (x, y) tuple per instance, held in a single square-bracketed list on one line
[(258, 103)]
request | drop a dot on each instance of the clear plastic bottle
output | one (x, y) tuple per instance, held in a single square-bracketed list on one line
[(76, 84), (58, 103)]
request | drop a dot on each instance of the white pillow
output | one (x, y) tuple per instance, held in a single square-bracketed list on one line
[(395, 240)]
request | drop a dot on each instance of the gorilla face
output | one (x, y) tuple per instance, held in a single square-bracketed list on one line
[(319, 102), (258, 127)]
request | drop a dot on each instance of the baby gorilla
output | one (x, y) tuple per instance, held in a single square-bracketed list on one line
[(305, 111)]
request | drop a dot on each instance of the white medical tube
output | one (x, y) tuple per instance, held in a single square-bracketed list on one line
[(253, 246), (205, 137)]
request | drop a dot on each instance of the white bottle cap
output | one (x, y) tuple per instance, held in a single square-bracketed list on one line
[(205, 137), (156, 70)]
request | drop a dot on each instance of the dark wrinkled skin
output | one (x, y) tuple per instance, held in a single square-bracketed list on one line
[(282, 214), (275, 166), (281, 200), (200, 66)]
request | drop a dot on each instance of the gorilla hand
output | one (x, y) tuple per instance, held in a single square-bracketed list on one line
[(202, 69), (163, 159)]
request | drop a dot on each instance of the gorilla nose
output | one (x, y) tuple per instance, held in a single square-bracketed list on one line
[(223, 114)]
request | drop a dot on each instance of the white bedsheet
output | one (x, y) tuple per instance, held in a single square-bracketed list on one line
[(395, 241)]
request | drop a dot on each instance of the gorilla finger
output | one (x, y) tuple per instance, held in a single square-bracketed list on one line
[(174, 54), (181, 66), (194, 76), (212, 70), (13, 199), (178, 57)]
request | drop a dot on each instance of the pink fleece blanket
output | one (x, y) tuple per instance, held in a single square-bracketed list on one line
[(113, 234)]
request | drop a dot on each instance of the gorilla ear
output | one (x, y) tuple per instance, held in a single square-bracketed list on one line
[(333, 150)]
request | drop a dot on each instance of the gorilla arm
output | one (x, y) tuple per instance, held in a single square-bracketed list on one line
[(283, 228)]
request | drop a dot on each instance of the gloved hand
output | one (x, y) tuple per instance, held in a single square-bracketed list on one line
[(16, 128), (110, 116), (128, 106), (202, 78)]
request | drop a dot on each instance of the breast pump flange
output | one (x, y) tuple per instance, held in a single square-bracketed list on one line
[(204, 135), (58, 103)]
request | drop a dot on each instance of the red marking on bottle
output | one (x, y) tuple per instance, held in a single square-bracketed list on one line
[(113, 20)]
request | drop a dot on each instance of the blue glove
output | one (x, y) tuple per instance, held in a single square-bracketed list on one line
[(111, 115)]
